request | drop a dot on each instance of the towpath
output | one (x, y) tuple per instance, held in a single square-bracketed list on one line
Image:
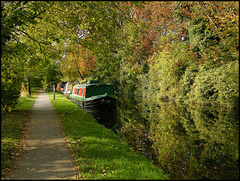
[(46, 156)]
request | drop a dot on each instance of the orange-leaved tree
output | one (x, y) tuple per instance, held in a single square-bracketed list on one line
[(78, 63)]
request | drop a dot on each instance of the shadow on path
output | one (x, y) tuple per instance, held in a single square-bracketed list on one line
[(46, 156)]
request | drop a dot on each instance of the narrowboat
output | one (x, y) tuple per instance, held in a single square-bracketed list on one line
[(59, 86), (94, 95), (62, 86), (68, 88)]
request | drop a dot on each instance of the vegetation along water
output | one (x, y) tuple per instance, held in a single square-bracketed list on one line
[(190, 142), (174, 66), (99, 152)]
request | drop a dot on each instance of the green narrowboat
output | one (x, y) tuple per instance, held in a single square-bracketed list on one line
[(94, 95)]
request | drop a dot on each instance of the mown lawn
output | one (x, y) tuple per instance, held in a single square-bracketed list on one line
[(13, 129), (100, 154)]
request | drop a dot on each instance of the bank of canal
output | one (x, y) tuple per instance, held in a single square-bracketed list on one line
[(100, 154), (189, 142)]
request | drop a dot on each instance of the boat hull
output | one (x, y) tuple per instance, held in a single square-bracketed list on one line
[(102, 103)]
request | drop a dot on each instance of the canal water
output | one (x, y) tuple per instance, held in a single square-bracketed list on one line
[(189, 142)]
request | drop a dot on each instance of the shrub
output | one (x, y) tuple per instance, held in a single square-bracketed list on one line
[(216, 84), (10, 92), (187, 80)]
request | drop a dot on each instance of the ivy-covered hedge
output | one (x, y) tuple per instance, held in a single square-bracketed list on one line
[(207, 83), (201, 83)]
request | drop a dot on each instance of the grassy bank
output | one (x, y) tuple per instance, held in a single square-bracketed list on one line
[(100, 155), (13, 126)]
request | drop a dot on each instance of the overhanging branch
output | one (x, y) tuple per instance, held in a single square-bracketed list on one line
[(23, 32)]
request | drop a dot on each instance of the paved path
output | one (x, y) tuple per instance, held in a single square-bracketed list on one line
[(46, 156)]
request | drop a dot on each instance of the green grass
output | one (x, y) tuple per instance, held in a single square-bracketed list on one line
[(12, 129), (100, 154)]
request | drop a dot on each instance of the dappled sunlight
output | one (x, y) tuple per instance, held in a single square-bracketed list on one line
[(44, 142), (46, 155)]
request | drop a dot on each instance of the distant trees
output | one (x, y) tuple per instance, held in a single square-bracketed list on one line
[(78, 63), (52, 76)]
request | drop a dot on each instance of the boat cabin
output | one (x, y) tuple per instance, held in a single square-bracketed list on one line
[(92, 89), (93, 94), (68, 88)]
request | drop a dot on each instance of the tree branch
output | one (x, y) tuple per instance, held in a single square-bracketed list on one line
[(205, 10), (78, 69), (23, 32), (126, 16)]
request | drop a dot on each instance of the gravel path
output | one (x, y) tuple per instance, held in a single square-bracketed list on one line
[(46, 156)]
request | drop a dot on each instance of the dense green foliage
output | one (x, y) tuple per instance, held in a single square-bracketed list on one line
[(23, 52), (130, 41), (52, 77)]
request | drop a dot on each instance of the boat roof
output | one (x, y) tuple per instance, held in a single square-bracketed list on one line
[(91, 83)]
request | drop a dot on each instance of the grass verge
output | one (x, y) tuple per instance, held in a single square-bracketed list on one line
[(100, 154), (13, 129)]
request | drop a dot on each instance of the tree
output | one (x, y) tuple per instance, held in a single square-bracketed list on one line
[(15, 16), (78, 63), (52, 76)]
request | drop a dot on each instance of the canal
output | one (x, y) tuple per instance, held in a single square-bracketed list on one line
[(190, 142)]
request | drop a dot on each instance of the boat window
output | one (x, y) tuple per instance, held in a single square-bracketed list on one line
[(80, 93), (77, 90), (83, 92)]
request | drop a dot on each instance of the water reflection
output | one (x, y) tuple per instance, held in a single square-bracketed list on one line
[(106, 117), (190, 142), (187, 141)]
